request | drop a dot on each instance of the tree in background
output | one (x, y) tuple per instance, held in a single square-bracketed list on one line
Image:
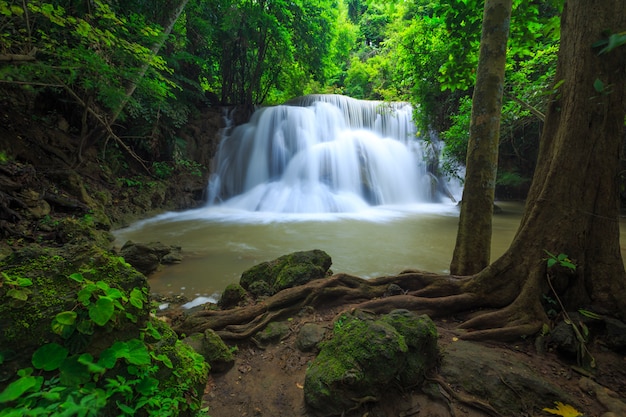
[(473, 242), (573, 205)]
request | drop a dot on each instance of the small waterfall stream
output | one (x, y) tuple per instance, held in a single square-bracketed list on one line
[(325, 154)]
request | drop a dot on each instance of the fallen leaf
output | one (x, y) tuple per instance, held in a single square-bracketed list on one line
[(564, 410), (299, 385)]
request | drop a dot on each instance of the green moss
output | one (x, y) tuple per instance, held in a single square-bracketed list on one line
[(288, 271), (366, 355)]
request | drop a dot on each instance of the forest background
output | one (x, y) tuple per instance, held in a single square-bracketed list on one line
[(143, 69)]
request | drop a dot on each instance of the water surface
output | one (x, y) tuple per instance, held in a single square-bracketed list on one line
[(218, 245)]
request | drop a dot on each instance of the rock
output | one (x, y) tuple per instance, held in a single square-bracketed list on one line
[(615, 334), (393, 289), (288, 271), (213, 349), (273, 333), (310, 336), (146, 258), (510, 387), (231, 297), (366, 357)]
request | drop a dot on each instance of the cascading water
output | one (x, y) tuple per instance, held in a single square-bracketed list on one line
[(324, 154)]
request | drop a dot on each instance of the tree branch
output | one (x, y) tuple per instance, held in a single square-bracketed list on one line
[(527, 106)]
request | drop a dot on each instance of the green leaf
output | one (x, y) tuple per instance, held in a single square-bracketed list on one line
[(598, 85), (19, 293), (137, 298), (147, 386), (138, 353), (551, 262), (85, 294), (87, 360), (103, 286), (73, 372), (102, 311), (49, 357), (78, 277), (589, 314), (108, 358), (66, 318), (126, 409), (16, 388), (24, 282)]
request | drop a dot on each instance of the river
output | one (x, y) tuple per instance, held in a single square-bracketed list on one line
[(218, 245)]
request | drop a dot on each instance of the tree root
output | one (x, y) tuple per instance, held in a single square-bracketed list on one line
[(424, 293), (464, 398)]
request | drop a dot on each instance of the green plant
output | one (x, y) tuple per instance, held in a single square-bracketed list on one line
[(581, 331), (66, 380), (162, 170), (18, 287)]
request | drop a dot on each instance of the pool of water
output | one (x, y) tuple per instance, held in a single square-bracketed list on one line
[(218, 245)]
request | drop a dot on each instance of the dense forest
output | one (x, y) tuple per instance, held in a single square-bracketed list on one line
[(150, 65), (96, 91)]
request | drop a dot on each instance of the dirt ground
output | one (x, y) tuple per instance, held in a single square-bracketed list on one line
[(269, 381)]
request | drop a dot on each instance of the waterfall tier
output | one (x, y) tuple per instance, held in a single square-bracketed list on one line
[(324, 153)]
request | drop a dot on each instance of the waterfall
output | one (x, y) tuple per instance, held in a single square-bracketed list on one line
[(321, 154)]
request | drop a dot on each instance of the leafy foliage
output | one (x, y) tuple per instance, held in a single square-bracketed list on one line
[(66, 380)]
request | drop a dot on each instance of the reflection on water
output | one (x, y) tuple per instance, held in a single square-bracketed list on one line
[(219, 246)]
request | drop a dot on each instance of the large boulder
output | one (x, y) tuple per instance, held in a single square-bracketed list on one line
[(366, 356), (288, 271)]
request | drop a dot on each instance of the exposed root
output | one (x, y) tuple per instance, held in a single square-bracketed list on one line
[(424, 293), (464, 398)]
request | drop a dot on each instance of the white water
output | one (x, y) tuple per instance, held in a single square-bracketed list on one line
[(325, 154)]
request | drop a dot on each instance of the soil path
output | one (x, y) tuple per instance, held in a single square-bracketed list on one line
[(269, 381)]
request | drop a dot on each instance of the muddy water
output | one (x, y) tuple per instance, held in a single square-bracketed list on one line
[(219, 246)]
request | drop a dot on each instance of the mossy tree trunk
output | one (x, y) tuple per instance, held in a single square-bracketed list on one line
[(473, 244)]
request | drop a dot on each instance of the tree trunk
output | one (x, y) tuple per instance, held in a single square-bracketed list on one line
[(473, 244), (132, 86), (573, 203)]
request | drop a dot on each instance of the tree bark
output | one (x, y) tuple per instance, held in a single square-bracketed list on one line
[(473, 244)]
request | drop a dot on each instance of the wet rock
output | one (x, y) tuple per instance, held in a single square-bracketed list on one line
[(288, 271), (310, 336), (231, 297), (213, 349), (147, 257), (366, 357)]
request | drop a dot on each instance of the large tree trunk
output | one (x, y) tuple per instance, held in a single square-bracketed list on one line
[(473, 243), (573, 203)]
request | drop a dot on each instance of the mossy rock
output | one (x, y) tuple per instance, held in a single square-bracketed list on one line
[(288, 271), (273, 333), (213, 349), (26, 319), (231, 297), (366, 356)]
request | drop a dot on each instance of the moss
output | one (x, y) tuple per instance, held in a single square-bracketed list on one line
[(288, 271), (366, 355), (52, 291), (231, 297)]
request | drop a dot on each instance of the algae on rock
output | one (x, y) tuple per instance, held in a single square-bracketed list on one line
[(287, 271), (366, 355)]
